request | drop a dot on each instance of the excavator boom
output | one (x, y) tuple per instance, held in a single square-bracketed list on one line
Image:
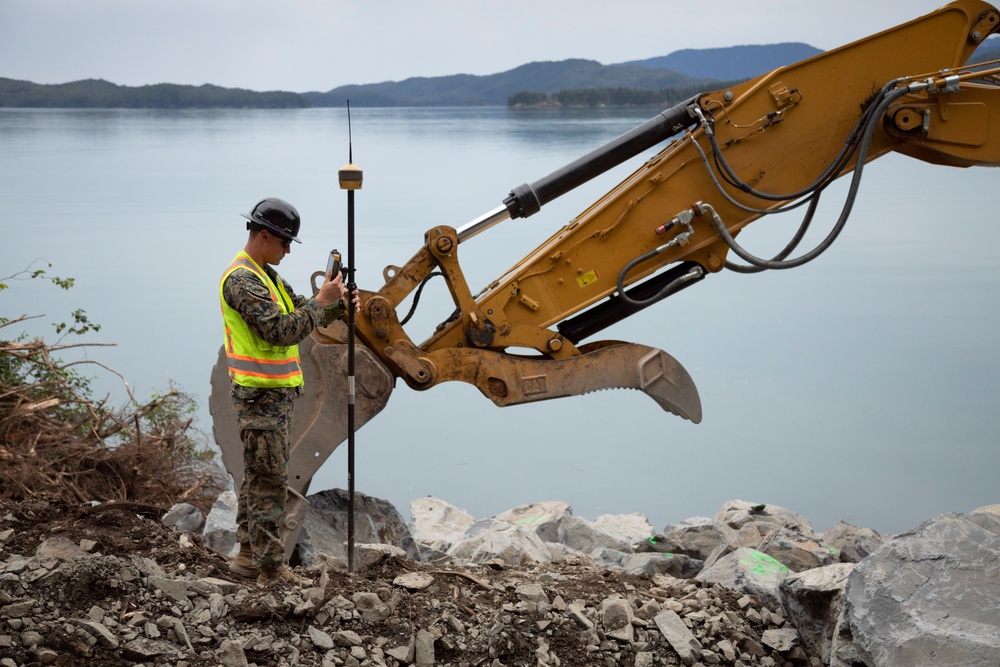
[(770, 144)]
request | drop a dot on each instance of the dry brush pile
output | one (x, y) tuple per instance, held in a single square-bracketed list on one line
[(57, 442)]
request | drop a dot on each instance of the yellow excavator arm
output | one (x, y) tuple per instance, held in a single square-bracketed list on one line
[(732, 156), (765, 146)]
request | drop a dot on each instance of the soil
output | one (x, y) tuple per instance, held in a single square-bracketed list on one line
[(475, 614)]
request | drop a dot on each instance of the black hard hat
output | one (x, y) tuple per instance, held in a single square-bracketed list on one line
[(277, 216)]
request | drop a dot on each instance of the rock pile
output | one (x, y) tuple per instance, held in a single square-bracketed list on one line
[(536, 586)]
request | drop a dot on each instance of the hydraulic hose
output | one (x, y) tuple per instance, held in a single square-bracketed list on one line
[(869, 118), (827, 176), (792, 245), (416, 296), (693, 274)]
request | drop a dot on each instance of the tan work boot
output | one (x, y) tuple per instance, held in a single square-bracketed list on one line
[(271, 575), (242, 563)]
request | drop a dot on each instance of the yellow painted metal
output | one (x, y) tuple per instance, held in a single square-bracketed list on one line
[(778, 132)]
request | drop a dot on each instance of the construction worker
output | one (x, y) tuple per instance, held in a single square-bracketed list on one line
[(264, 322)]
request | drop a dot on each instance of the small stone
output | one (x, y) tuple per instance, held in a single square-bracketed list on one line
[(31, 639), (347, 638), (414, 581), (46, 656), (780, 640), (319, 638), (423, 650), (371, 608)]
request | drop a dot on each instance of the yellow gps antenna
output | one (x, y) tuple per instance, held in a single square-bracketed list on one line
[(350, 177)]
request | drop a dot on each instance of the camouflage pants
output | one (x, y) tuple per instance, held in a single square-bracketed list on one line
[(264, 417)]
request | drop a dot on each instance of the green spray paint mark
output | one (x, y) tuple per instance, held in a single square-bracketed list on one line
[(531, 520), (760, 563), (652, 540)]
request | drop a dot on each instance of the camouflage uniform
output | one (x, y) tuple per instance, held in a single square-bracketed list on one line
[(264, 414)]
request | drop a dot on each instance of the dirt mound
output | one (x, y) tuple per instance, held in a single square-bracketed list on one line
[(111, 585)]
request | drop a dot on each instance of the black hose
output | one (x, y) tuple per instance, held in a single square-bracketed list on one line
[(870, 117), (792, 245), (695, 273), (416, 296)]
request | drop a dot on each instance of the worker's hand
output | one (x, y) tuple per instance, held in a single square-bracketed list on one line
[(356, 301), (333, 289)]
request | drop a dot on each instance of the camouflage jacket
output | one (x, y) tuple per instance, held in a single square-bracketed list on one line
[(247, 295)]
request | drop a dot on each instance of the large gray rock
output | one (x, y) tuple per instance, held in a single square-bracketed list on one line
[(634, 529), (750, 535), (853, 544), (376, 521), (697, 537), (651, 563), (749, 571), (736, 513), (490, 539), (220, 524), (436, 524), (988, 517), (927, 597), (987, 509), (184, 517), (798, 551), (543, 518), (605, 557), (585, 536), (813, 601)]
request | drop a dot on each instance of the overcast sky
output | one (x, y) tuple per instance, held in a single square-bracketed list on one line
[(316, 45)]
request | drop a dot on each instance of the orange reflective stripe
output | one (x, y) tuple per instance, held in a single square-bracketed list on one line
[(229, 332), (273, 368), (266, 376), (244, 374)]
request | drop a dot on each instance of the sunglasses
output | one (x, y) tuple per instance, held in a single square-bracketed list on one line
[(285, 243)]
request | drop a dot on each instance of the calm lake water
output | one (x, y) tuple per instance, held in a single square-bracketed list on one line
[(861, 387)]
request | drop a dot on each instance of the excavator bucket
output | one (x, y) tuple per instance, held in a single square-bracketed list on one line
[(319, 421)]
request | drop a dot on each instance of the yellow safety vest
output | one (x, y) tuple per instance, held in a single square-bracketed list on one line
[(253, 362)]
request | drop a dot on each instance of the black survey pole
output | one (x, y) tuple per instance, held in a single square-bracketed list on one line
[(350, 177)]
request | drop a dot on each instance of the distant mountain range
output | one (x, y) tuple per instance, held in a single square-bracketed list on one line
[(495, 89), (732, 63), (682, 72), (688, 69)]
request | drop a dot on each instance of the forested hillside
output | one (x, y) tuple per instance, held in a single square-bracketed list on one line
[(575, 82), (494, 89), (100, 94)]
